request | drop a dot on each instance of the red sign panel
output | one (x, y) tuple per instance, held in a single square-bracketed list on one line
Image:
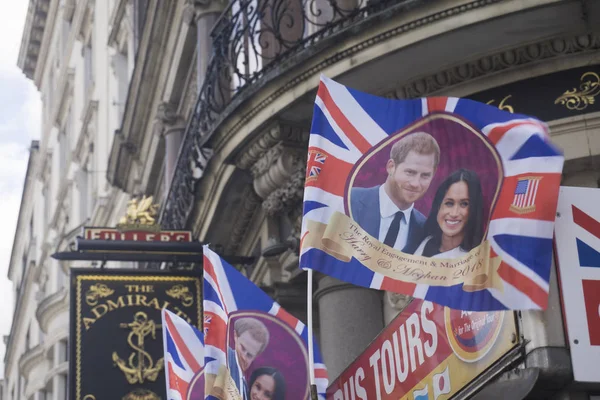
[(428, 351), (139, 236), (591, 297)]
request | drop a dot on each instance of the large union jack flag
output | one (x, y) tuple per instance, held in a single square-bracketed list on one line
[(348, 124), (228, 293), (184, 355)]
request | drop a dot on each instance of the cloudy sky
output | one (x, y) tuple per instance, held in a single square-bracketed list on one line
[(19, 124)]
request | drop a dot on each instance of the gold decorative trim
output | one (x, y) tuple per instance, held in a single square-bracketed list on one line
[(78, 312), (580, 99), (141, 366), (503, 106), (141, 394), (97, 291), (181, 292)]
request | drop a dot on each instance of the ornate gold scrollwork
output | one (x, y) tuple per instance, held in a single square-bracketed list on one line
[(89, 397), (97, 291), (183, 293), (580, 99), (502, 105), (140, 366)]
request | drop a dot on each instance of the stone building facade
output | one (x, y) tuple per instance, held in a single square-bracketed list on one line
[(215, 117), (229, 155), (83, 84)]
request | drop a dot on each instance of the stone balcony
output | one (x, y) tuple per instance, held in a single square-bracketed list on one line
[(51, 307), (31, 358)]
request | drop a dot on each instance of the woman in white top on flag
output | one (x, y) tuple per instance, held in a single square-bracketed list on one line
[(455, 223)]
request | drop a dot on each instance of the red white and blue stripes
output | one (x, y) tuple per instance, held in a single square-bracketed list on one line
[(226, 291), (347, 123), (183, 352)]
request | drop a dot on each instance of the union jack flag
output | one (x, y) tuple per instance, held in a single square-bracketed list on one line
[(184, 355), (316, 161), (227, 293), (348, 124)]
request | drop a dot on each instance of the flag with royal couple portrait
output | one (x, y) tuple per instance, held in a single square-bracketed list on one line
[(443, 199), (254, 349)]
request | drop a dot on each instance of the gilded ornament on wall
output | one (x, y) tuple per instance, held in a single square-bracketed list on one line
[(139, 366), (580, 99), (183, 293), (96, 292), (140, 214), (503, 106), (141, 394)]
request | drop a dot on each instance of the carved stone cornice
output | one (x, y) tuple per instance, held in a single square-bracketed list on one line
[(289, 196), (86, 19), (63, 95), (274, 157), (86, 133), (275, 168), (491, 64), (166, 113), (250, 204), (35, 23), (202, 7), (115, 22), (289, 134), (168, 120)]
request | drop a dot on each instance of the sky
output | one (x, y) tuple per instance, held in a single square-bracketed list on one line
[(20, 115)]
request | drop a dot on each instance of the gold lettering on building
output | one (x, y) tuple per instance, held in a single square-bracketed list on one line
[(183, 293), (140, 288), (503, 106), (132, 300)]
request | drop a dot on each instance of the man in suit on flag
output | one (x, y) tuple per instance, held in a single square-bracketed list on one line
[(387, 211), (250, 338)]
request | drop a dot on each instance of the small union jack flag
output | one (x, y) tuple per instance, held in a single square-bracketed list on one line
[(207, 321), (525, 194), (227, 292), (315, 162)]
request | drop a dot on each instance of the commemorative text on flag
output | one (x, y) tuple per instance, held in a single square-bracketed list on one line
[(443, 199)]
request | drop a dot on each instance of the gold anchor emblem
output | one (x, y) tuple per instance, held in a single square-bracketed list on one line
[(140, 366)]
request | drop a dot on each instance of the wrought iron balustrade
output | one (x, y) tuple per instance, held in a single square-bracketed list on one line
[(251, 38)]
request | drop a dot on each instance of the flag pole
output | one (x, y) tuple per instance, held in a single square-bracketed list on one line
[(311, 353)]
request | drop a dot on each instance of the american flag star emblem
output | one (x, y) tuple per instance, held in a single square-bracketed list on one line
[(525, 195)]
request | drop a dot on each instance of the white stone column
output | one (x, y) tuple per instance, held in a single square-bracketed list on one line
[(58, 387), (350, 317), (171, 126), (207, 12)]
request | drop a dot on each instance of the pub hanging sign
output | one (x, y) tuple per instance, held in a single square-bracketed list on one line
[(116, 350)]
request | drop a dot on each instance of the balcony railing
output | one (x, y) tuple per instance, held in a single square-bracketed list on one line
[(251, 38)]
